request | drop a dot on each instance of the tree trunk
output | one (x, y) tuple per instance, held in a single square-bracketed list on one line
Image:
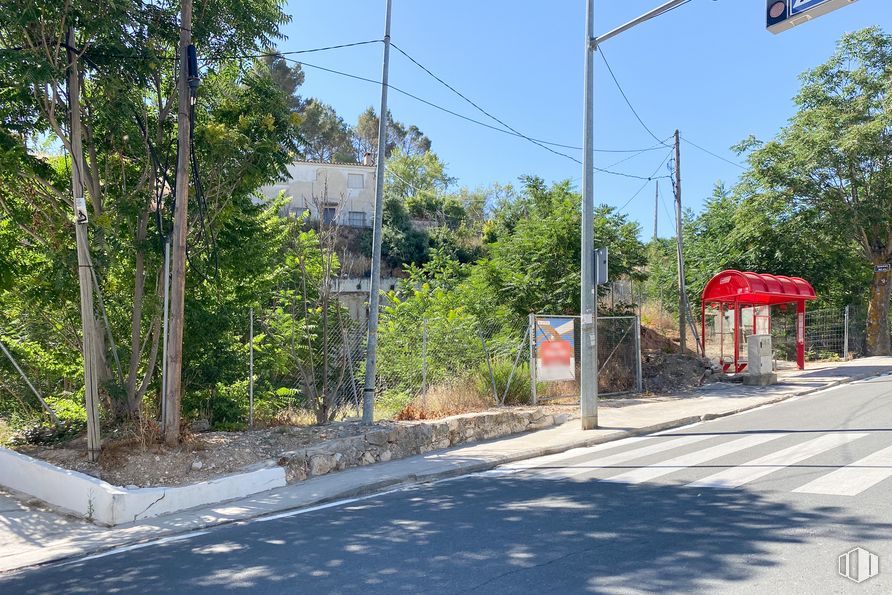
[(878, 339)]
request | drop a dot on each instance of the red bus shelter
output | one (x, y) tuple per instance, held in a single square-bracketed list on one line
[(735, 290)]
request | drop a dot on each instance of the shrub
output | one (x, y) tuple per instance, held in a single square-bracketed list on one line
[(518, 392)]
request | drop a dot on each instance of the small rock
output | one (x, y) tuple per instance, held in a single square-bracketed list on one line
[(196, 465), (157, 458)]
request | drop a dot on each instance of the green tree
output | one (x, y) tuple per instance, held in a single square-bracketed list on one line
[(244, 135), (324, 135), (409, 139), (535, 250), (836, 156)]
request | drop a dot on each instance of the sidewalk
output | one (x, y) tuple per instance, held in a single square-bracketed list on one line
[(30, 535)]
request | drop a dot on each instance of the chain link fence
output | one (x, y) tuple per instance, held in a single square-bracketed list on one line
[(830, 333), (619, 356)]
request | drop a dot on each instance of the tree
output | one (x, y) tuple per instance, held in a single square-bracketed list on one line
[(836, 156), (244, 137), (409, 139), (288, 78), (324, 135), (535, 250)]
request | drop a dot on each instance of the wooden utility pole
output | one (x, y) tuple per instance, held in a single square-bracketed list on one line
[(174, 392), (84, 269), (682, 296), (656, 211)]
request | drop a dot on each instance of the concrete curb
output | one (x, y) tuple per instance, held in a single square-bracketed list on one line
[(460, 469)]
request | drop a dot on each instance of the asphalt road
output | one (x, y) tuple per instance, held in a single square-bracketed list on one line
[(762, 502)]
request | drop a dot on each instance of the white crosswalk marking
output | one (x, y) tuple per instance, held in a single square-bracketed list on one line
[(853, 479), (623, 457), (556, 459), (753, 470), (691, 459)]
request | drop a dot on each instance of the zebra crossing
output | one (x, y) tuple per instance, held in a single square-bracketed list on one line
[(844, 463)]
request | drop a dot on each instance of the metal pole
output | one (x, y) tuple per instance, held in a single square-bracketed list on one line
[(645, 17), (88, 322), (164, 331), (251, 371), (588, 349), (424, 363), (532, 332), (43, 403), (845, 338), (682, 297), (656, 211), (638, 375), (368, 393)]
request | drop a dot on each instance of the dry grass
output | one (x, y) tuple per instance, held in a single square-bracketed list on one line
[(5, 432), (443, 400)]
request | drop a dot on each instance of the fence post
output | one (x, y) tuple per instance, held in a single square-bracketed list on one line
[(532, 325), (638, 376), (251, 379), (424, 363), (845, 340)]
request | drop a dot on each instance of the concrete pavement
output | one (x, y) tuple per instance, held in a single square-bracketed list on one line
[(32, 536)]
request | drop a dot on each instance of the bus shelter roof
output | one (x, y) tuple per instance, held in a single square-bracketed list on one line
[(756, 289)]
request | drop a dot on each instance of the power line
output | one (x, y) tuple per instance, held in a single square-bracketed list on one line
[(462, 116), (278, 54), (486, 113), (474, 104), (626, 97), (708, 152), (649, 180), (503, 123), (639, 153)]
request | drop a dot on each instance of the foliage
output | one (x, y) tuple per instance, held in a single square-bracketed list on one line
[(833, 163), (535, 250)]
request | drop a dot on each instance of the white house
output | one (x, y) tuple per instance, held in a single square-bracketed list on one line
[(341, 193)]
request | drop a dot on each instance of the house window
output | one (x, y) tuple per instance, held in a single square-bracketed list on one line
[(328, 215), (355, 181), (356, 218)]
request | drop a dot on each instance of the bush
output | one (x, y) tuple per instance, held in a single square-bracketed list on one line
[(518, 392), (445, 399)]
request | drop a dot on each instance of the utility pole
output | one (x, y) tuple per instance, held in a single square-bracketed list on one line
[(682, 296), (588, 369), (371, 361), (88, 322), (656, 211), (174, 394)]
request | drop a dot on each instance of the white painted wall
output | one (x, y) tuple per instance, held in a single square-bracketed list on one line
[(93, 498), (314, 185)]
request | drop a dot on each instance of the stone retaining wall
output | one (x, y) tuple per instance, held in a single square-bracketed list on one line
[(408, 439)]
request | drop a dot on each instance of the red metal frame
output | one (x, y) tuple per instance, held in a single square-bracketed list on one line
[(747, 289)]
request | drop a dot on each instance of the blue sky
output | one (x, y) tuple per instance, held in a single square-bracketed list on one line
[(708, 68)]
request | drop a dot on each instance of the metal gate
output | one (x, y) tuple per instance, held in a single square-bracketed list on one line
[(557, 380)]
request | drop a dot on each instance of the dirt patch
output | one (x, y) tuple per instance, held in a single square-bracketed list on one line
[(669, 372), (198, 458), (204, 456)]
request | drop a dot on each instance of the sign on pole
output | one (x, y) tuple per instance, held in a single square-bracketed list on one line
[(555, 348), (786, 14)]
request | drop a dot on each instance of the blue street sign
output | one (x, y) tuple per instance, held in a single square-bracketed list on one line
[(800, 6)]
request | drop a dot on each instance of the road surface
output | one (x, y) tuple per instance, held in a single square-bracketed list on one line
[(761, 502)]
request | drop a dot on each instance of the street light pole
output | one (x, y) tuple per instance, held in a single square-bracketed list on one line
[(588, 349), (371, 361)]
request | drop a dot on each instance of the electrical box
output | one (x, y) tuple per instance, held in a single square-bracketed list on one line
[(760, 361)]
